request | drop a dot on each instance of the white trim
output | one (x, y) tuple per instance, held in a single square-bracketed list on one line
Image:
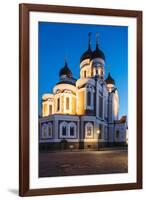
[(72, 124), (90, 125), (51, 128), (67, 125), (63, 124), (45, 110), (66, 95), (59, 140), (64, 87), (58, 97), (66, 117), (50, 104), (45, 128), (36, 182)]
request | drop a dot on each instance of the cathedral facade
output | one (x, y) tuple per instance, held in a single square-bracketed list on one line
[(83, 113)]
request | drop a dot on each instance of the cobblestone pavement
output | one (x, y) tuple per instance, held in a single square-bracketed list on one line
[(82, 163)]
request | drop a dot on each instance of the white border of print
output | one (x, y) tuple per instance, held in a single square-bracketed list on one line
[(50, 182)]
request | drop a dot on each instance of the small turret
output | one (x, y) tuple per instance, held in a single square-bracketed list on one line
[(110, 83), (65, 71)]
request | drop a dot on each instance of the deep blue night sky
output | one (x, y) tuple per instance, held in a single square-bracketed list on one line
[(58, 41)]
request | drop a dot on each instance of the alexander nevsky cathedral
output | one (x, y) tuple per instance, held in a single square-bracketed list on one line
[(83, 113)]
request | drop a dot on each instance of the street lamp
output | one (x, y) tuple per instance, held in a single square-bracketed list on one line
[(98, 133)]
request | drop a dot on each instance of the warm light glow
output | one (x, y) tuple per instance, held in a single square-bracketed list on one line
[(94, 71), (126, 136), (45, 109), (127, 141), (116, 104), (110, 87), (99, 71)]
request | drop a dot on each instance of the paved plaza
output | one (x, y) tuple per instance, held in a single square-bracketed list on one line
[(82, 163)]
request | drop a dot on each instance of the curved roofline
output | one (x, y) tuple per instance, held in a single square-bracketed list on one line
[(110, 80), (65, 82), (65, 70)]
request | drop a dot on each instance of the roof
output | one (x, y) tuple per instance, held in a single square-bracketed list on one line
[(89, 54), (110, 80), (86, 55), (65, 71), (98, 53), (66, 82)]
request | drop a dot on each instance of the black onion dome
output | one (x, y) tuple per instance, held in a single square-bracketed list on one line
[(86, 55), (66, 82), (110, 80), (98, 53), (65, 71)]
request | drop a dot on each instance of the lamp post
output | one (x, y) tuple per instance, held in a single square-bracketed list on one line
[(98, 133)]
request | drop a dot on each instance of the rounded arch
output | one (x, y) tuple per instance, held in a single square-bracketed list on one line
[(50, 129), (44, 130), (72, 128), (63, 129), (88, 130), (89, 97)]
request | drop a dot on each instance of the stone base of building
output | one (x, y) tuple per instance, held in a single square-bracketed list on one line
[(116, 144), (88, 145), (112, 145), (71, 146), (61, 146)]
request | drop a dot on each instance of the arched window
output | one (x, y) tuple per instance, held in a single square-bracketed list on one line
[(100, 106), (63, 130), (47, 130), (67, 103), (89, 130), (72, 129), (58, 104), (95, 71), (50, 130), (44, 131), (88, 98), (85, 74), (45, 106), (50, 109)]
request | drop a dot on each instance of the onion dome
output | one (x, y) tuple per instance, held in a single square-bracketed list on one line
[(87, 54), (110, 80), (98, 53), (65, 71)]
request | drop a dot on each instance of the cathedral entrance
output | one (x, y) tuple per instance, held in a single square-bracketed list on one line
[(63, 144)]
